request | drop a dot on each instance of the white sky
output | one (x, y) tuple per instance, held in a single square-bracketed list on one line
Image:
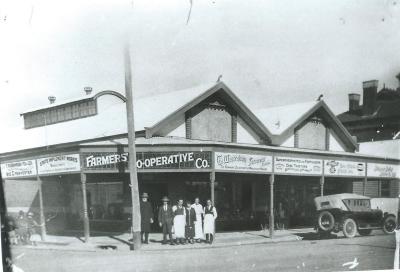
[(270, 52)]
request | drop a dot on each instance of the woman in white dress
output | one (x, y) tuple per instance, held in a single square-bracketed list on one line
[(198, 225), (179, 222), (210, 214)]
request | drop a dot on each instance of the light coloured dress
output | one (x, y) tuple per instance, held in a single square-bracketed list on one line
[(198, 225), (179, 221), (210, 214)]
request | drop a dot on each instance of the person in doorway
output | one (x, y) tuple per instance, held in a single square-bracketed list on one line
[(190, 223), (146, 213), (33, 237), (281, 217), (198, 225), (165, 218), (210, 214), (179, 222), (22, 228)]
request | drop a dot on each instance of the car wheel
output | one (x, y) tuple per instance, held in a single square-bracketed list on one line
[(326, 221), (364, 232), (349, 228), (389, 224)]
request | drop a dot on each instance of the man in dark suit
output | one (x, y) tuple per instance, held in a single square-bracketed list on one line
[(146, 213), (190, 222), (165, 219)]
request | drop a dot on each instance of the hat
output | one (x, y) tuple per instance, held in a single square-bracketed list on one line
[(165, 199), (144, 195), (30, 213)]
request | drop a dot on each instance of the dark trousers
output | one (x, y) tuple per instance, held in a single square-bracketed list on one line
[(167, 229), (209, 238), (146, 236)]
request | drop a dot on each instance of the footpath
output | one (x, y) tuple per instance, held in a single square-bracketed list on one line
[(121, 242)]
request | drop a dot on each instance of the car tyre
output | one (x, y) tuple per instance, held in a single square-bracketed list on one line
[(364, 232), (326, 221), (389, 224), (349, 228)]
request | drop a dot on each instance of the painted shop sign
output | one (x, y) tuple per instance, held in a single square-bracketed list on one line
[(383, 170), (344, 168), (59, 164), (18, 169), (242, 162), (293, 165), (150, 160)]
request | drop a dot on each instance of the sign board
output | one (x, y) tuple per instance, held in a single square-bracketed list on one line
[(383, 170), (18, 169), (59, 164), (344, 168), (150, 160), (293, 165), (242, 162)]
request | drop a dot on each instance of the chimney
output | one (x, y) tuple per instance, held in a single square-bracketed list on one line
[(354, 101), (398, 78), (52, 99), (370, 93), (88, 90)]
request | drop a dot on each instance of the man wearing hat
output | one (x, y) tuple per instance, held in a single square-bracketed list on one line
[(146, 212), (165, 219)]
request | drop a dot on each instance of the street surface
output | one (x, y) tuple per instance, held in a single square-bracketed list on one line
[(372, 253)]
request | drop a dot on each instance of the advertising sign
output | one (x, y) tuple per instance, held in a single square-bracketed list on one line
[(243, 162), (18, 169), (59, 164), (383, 170), (150, 160), (293, 165), (344, 168)]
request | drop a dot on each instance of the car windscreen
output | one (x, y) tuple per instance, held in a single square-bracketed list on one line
[(358, 205)]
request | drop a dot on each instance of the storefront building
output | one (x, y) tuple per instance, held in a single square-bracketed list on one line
[(206, 143)]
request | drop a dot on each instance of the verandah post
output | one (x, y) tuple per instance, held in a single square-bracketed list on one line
[(212, 183), (271, 205), (86, 230), (321, 183), (41, 210)]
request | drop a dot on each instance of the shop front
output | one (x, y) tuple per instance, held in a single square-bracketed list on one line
[(253, 187)]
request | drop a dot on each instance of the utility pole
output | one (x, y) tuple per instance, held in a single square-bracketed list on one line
[(136, 237)]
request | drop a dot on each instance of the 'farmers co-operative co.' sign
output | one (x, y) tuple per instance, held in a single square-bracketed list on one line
[(150, 160)]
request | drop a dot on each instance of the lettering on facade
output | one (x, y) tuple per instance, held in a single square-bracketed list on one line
[(18, 169), (344, 168), (59, 164), (242, 162), (152, 160), (292, 165), (383, 170)]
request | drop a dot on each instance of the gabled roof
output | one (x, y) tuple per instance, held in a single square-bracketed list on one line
[(227, 95), (283, 120)]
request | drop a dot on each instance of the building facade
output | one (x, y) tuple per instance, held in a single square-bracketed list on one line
[(201, 142)]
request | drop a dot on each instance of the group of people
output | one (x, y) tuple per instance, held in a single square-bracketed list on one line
[(188, 223), (21, 228)]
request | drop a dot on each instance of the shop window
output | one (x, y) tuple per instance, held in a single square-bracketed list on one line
[(385, 188)]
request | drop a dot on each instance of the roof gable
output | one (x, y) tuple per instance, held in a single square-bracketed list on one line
[(175, 118), (282, 121)]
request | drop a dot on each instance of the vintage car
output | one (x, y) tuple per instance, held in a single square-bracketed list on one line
[(351, 213)]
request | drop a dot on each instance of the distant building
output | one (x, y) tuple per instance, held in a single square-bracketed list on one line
[(378, 118)]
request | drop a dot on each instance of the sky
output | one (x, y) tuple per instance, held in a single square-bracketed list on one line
[(270, 53)]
